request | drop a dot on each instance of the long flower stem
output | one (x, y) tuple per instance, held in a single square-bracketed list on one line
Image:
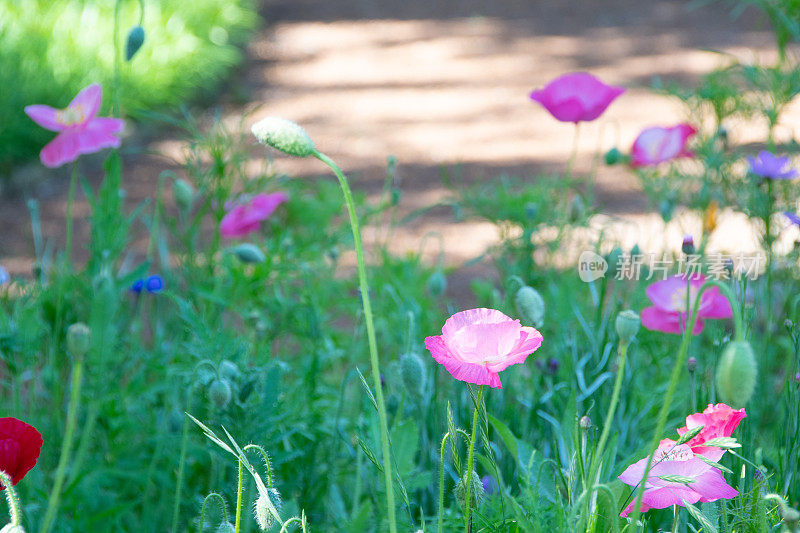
[(470, 455), (14, 508), (676, 372), (70, 201), (66, 447), (181, 469), (441, 482), (239, 499), (373, 345)]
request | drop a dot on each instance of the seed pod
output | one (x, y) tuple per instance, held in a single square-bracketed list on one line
[(134, 42), (219, 392), (476, 493), (530, 306), (79, 339), (736, 374), (283, 135), (687, 246), (627, 325)]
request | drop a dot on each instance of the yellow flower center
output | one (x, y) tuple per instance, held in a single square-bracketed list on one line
[(71, 116), (679, 299)]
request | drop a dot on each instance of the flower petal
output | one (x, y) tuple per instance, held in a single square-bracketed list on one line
[(45, 116), (65, 148), (89, 100), (469, 372)]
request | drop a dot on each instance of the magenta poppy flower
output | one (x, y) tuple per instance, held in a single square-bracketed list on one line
[(576, 97), (81, 131), (669, 312), (658, 144), (478, 343), (662, 491), (245, 218), (768, 165), (20, 445), (718, 421)]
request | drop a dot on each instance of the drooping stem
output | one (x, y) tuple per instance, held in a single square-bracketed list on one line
[(66, 447), (14, 507), (373, 346), (470, 456), (676, 372), (440, 529), (238, 523)]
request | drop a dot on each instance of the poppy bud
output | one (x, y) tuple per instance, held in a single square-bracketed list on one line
[(687, 246), (264, 517), (226, 527), (11, 528), (79, 339), (248, 253), (530, 306), (476, 493), (220, 393), (412, 370), (627, 325), (531, 210), (283, 135), (229, 370), (183, 192), (614, 156), (614, 260), (437, 283), (585, 422), (134, 42), (691, 365), (577, 209), (736, 373)]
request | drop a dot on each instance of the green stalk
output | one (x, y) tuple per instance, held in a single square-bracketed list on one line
[(179, 483), (70, 201), (468, 470), (66, 447), (14, 507), (239, 500), (373, 346), (676, 372), (440, 529)]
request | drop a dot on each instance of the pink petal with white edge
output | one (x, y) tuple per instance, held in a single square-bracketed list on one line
[(662, 293), (89, 100), (45, 116), (471, 373)]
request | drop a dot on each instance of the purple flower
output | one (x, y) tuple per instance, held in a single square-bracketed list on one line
[(768, 165), (4, 277), (490, 485), (576, 97), (152, 284), (137, 286), (793, 217)]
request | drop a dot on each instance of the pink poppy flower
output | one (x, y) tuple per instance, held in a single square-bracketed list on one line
[(669, 312), (81, 131), (576, 97), (697, 482), (245, 218), (657, 145), (768, 165), (478, 343), (718, 421)]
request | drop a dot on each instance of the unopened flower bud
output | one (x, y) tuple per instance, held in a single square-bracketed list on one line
[(264, 517), (219, 392), (248, 253), (283, 135), (614, 260), (476, 493), (736, 373), (79, 339), (183, 192), (691, 365), (627, 325), (687, 246), (530, 306), (577, 209), (226, 527), (412, 370), (585, 422), (229, 370), (437, 283), (531, 210), (614, 156), (134, 42)]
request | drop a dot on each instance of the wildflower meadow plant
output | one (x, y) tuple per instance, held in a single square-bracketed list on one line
[(672, 299), (245, 218), (659, 144), (576, 97)]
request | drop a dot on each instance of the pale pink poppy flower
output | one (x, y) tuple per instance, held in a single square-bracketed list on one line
[(576, 97), (657, 145), (669, 310), (476, 344), (718, 421), (81, 131), (245, 218), (707, 483)]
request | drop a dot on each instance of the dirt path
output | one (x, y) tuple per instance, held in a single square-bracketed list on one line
[(444, 84)]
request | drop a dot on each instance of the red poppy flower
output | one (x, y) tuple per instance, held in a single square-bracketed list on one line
[(20, 445)]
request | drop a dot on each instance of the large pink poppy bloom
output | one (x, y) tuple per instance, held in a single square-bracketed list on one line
[(669, 312), (245, 218), (707, 483), (657, 145), (718, 421), (478, 343), (81, 131), (576, 97)]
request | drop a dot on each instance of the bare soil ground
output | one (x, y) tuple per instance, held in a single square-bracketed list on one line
[(443, 84)]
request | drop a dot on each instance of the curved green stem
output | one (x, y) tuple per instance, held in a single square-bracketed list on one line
[(680, 362), (238, 523), (470, 456), (14, 507), (66, 447), (373, 346), (441, 482), (70, 201), (181, 469), (203, 510)]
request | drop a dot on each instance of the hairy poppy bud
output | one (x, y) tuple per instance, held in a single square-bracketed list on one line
[(79, 339), (585, 422), (736, 373), (412, 370), (248, 253), (476, 493), (283, 135), (691, 365), (183, 192), (219, 392), (229, 370), (134, 42), (226, 527), (687, 246), (437, 283), (627, 325), (530, 306), (264, 517)]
